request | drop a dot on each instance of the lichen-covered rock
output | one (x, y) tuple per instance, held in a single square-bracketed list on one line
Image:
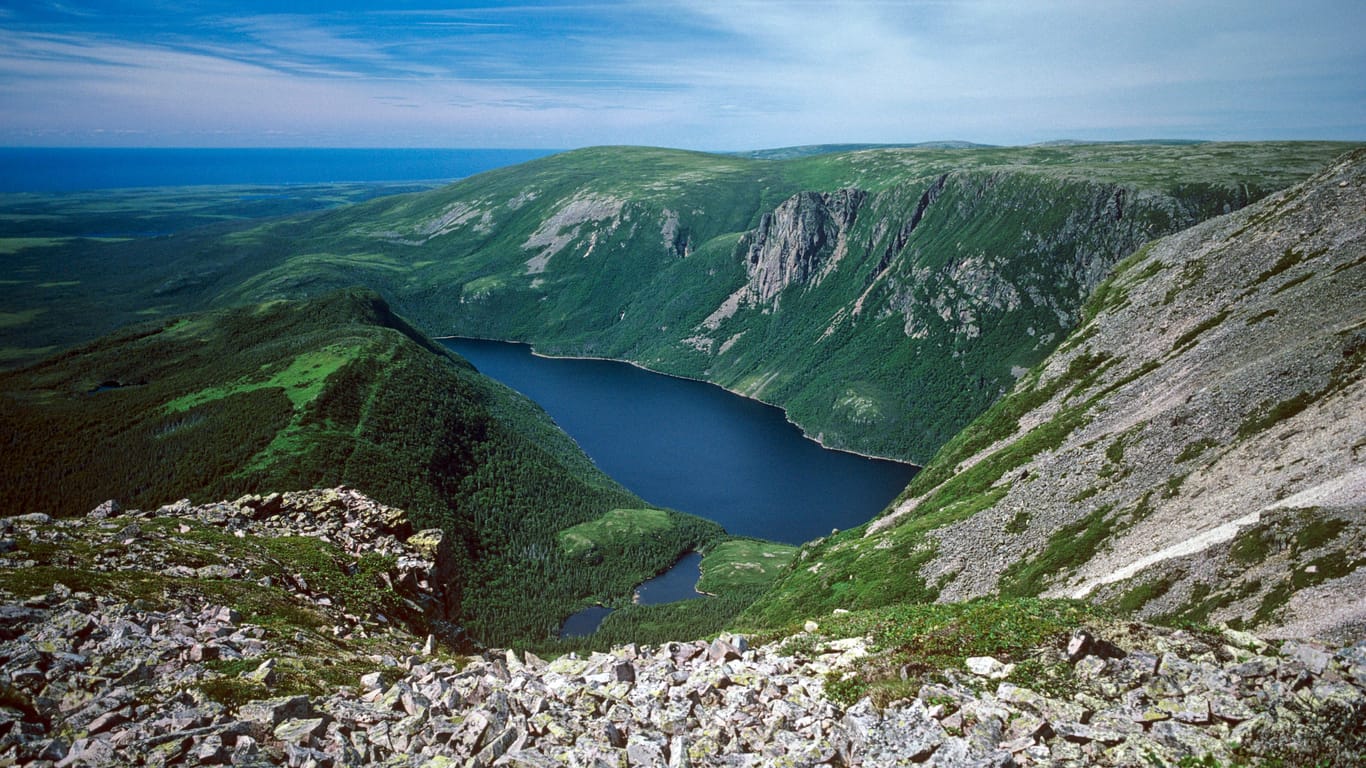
[(115, 675)]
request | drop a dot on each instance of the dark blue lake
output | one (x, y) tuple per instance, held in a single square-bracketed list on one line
[(697, 448), (585, 622)]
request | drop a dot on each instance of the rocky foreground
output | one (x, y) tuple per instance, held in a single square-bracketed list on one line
[(240, 661)]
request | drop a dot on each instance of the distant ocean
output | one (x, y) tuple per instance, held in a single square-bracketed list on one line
[(76, 169)]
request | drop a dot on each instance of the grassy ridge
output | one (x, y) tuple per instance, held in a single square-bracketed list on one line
[(288, 395)]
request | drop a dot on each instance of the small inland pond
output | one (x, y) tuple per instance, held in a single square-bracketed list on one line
[(694, 447), (677, 583)]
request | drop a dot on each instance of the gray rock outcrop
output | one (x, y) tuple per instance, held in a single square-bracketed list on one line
[(97, 680), (1200, 432), (799, 241)]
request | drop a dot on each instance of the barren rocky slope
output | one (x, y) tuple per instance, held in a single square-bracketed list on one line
[(305, 630), (1194, 449), (1223, 451)]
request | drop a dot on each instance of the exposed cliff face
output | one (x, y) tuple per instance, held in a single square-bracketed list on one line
[(1194, 448), (909, 308), (567, 224), (800, 241), (796, 245)]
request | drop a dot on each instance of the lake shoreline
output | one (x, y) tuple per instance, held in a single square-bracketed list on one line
[(602, 611), (647, 369)]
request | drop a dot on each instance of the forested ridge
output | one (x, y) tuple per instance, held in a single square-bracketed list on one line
[(291, 395)]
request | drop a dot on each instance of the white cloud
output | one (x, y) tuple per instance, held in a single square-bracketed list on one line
[(707, 75)]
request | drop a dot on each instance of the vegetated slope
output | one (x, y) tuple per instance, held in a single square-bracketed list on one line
[(1194, 450), (882, 297), (337, 390), (807, 150)]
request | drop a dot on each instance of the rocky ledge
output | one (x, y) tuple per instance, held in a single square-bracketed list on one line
[(202, 674)]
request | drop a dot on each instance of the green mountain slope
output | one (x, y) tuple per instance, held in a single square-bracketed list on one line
[(337, 390), (806, 150), (1193, 450), (883, 297)]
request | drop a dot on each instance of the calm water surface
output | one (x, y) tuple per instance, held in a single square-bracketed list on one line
[(585, 622), (697, 448), (677, 583)]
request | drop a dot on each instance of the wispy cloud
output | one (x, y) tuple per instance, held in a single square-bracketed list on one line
[(690, 73)]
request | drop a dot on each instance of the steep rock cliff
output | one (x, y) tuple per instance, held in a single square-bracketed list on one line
[(1194, 449), (883, 320), (800, 241)]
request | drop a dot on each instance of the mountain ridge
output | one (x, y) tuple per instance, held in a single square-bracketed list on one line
[(1209, 396), (287, 395), (1233, 422), (626, 252)]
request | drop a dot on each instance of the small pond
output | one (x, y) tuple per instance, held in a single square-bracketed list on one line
[(677, 583)]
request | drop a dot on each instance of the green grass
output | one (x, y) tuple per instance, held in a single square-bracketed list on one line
[(1317, 531), (615, 529), (1085, 494), (1068, 547), (1269, 416), (1288, 259), (743, 564), (1187, 339), (1141, 594), (1287, 285), (1193, 450), (1191, 273), (302, 379), (1115, 451), (1019, 523)]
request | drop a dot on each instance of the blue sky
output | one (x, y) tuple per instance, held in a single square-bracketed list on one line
[(712, 75)]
